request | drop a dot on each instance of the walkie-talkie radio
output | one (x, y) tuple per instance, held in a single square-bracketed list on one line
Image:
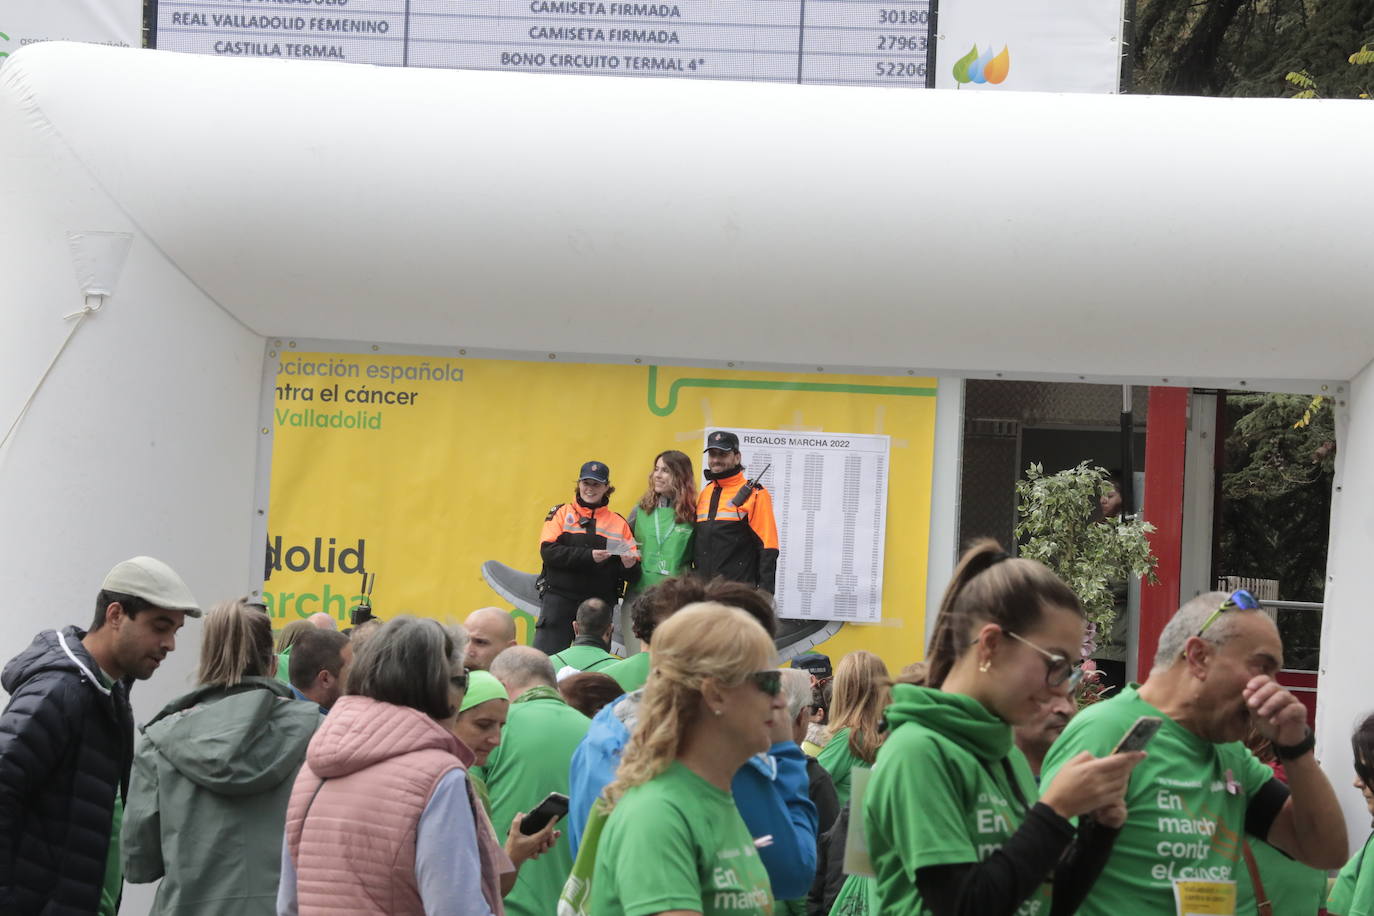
[(363, 612), (746, 491)]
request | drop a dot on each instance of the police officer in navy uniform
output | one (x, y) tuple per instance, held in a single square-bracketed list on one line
[(588, 552), (737, 535)]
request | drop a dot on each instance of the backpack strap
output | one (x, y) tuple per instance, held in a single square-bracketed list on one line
[(1262, 903)]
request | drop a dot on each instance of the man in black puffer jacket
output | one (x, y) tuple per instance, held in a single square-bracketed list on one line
[(66, 744)]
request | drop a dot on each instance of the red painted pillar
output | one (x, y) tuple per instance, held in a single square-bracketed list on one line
[(1166, 433)]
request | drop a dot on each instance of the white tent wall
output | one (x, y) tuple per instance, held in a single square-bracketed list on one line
[(1150, 240), (1345, 697), (143, 438)]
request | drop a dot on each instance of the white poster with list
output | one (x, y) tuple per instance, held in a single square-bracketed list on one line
[(830, 497)]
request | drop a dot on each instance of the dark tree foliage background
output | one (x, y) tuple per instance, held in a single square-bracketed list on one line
[(1276, 503), (1276, 487), (1245, 47)]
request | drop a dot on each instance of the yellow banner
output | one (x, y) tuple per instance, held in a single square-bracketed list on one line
[(420, 469)]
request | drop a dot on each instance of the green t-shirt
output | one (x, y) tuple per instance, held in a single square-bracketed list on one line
[(583, 658), (113, 885), (632, 673), (932, 801), (1291, 886), (1353, 892), (665, 544), (1186, 802), (531, 761), (839, 761), (678, 843)]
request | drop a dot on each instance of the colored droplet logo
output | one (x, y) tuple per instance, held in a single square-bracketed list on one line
[(962, 64), (997, 69), (983, 68), (4, 37)]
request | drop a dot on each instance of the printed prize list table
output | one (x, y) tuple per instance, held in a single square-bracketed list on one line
[(846, 42), (830, 499)]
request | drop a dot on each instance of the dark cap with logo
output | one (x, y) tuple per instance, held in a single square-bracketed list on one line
[(722, 439), (816, 663), (595, 470)]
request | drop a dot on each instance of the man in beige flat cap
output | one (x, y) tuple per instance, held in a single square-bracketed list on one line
[(67, 741)]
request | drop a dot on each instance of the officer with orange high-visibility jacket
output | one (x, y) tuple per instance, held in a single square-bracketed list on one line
[(588, 552), (736, 534)]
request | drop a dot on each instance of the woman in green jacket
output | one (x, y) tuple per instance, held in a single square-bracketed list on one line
[(213, 774), (954, 820)]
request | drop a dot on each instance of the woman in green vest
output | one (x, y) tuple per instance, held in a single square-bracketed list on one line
[(1353, 892), (665, 519)]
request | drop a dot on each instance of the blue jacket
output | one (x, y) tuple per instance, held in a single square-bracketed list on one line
[(770, 790)]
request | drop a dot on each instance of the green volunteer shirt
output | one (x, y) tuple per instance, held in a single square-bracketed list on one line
[(531, 761), (630, 674), (678, 843), (1291, 886), (113, 885), (665, 544), (839, 761), (583, 658), (1186, 801), (948, 788), (1353, 892)]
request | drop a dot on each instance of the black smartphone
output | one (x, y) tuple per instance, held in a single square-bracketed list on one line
[(1140, 734), (555, 804)]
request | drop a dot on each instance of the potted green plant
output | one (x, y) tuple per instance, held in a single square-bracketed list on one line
[(1057, 525)]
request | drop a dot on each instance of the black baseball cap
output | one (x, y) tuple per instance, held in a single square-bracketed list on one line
[(595, 470), (814, 662), (722, 439)]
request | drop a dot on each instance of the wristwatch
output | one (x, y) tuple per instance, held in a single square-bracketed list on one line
[(1294, 751)]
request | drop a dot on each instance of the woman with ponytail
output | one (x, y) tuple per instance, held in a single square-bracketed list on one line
[(951, 814), (213, 775), (674, 842)]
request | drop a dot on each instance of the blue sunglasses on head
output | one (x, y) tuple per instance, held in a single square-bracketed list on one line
[(1240, 598)]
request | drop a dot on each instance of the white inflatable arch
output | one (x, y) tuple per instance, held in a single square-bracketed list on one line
[(1152, 240)]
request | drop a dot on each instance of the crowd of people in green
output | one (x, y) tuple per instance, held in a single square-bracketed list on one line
[(412, 767)]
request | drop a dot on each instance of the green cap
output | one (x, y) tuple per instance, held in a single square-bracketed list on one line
[(482, 687)]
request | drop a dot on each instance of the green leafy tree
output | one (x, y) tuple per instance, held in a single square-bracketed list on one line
[(1059, 528), (1306, 84), (1276, 507), (1247, 47)]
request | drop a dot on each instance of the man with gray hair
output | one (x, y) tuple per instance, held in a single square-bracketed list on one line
[(532, 760), (1200, 790), (796, 686)]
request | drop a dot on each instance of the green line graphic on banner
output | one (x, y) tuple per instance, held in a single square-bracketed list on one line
[(763, 385)]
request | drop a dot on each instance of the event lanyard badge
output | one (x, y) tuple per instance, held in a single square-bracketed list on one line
[(1205, 898)]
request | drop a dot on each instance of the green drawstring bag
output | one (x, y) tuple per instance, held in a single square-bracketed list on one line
[(858, 897), (576, 898)]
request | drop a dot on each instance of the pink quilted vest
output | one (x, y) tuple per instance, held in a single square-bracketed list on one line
[(369, 772)]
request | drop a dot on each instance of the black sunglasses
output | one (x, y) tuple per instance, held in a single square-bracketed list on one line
[(770, 681)]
